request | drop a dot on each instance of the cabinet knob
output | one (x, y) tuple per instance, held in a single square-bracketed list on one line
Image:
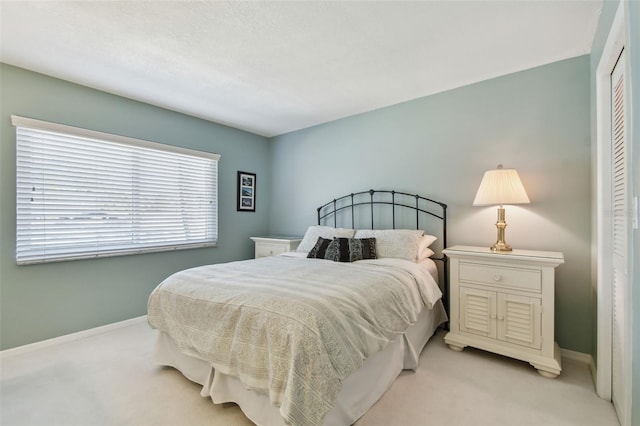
[(493, 316), (500, 317), (497, 277)]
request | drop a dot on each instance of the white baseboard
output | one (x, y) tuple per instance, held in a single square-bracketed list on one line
[(594, 372), (582, 358), (70, 337), (577, 356)]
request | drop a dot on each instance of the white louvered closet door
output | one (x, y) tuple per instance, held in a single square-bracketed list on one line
[(620, 236)]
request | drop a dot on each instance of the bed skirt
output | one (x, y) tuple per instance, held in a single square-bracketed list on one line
[(359, 392)]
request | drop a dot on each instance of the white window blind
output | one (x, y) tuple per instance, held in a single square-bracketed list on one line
[(82, 194)]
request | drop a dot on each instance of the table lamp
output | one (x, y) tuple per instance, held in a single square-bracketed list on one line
[(498, 187)]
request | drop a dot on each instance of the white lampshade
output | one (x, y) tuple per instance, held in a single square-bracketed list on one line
[(501, 186)]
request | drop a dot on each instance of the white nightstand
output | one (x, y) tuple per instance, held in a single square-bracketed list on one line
[(504, 303), (270, 246)]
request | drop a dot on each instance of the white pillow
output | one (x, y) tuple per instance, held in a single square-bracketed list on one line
[(424, 251), (398, 243), (315, 231)]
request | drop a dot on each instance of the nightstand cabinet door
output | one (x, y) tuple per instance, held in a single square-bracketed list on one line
[(504, 303), (519, 320), (478, 312), (506, 317)]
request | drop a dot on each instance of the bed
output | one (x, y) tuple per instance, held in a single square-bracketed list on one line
[(316, 336)]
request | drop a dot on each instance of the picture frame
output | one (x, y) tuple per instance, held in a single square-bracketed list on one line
[(246, 192)]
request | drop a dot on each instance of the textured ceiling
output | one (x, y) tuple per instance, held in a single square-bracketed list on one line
[(273, 67)]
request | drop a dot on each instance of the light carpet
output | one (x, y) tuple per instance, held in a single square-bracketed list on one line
[(108, 379)]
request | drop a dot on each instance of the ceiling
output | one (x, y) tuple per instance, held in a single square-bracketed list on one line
[(271, 67)]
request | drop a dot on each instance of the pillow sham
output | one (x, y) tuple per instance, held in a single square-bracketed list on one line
[(351, 249), (424, 251), (344, 249), (318, 251), (398, 243), (362, 248), (425, 254), (315, 231)]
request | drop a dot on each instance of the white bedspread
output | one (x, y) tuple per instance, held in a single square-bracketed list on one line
[(293, 328)]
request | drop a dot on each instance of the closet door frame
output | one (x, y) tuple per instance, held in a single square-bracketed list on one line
[(614, 46)]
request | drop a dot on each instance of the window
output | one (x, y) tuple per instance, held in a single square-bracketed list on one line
[(82, 194)]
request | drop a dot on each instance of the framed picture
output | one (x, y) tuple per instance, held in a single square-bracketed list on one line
[(246, 192)]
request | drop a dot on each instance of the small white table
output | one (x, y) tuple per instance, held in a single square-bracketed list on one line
[(273, 245), (504, 303)]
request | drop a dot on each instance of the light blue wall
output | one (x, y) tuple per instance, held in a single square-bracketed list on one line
[(44, 301), (536, 121)]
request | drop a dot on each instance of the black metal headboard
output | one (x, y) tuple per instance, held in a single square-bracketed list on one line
[(367, 201), (372, 209)]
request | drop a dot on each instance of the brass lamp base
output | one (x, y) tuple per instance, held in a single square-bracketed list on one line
[(501, 245)]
